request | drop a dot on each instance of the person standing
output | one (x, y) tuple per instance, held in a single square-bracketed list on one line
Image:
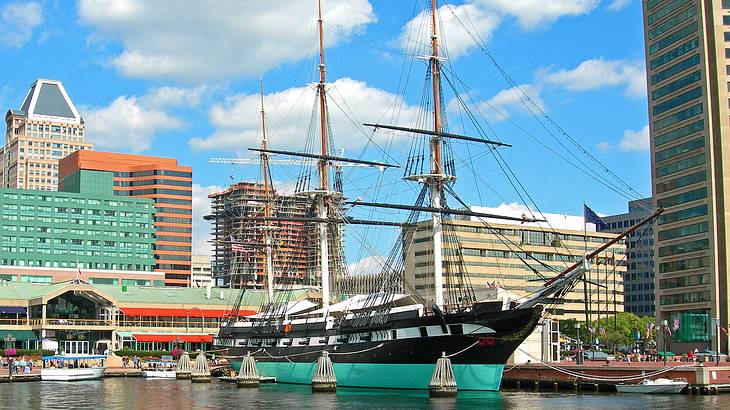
[(136, 362)]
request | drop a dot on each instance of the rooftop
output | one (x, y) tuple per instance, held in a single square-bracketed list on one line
[(48, 100), (144, 295)]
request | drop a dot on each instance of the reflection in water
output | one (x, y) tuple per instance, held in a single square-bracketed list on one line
[(137, 393)]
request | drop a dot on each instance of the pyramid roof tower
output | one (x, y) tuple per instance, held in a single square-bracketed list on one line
[(48, 100)]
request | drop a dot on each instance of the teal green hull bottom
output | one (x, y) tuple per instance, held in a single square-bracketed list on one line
[(484, 377)]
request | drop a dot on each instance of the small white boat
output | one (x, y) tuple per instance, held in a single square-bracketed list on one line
[(161, 369), (658, 386), (73, 367)]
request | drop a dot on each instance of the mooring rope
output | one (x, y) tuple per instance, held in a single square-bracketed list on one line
[(331, 353), (463, 350), (604, 378)]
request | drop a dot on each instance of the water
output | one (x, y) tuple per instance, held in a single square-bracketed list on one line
[(137, 393)]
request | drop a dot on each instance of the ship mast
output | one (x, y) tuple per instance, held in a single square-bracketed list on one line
[(436, 180), (267, 200), (323, 179)]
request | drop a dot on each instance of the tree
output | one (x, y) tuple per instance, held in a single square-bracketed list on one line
[(621, 331), (626, 326)]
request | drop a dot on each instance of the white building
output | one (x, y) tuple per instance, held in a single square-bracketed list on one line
[(201, 275)]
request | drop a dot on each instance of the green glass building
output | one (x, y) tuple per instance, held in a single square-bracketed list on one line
[(85, 226)]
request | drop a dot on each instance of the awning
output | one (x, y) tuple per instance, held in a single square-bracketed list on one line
[(19, 335), (124, 334), (13, 310), (192, 312), (167, 337), (666, 354)]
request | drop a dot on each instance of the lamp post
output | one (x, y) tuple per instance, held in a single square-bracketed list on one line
[(579, 356), (666, 328), (9, 339)]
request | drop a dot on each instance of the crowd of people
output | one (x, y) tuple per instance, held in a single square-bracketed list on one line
[(18, 366)]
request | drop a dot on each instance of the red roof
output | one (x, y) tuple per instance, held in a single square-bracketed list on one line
[(192, 312), (167, 337)]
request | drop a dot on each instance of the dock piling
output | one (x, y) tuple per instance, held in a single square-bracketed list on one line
[(248, 376), (443, 382), (201, 372), (183, 367), (324, 380)]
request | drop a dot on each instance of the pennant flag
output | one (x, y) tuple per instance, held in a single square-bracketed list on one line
[(592, 217)]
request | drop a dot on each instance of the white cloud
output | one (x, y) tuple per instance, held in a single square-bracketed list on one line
[(618, 5), (632, 141), (370, 264), (201, 227), (533, 14), (237, 121), (416, 34), (635, 140), (174, 97), (17, 22), (509, 101), (599, 73), (200, 40), (126, 124)]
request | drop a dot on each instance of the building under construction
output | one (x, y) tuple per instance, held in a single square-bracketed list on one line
[(239, 257)]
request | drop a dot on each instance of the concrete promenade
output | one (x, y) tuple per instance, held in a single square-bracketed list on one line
[(705, 378)]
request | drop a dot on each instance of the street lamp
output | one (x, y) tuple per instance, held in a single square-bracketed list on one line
[(666, 328), (579, 356)]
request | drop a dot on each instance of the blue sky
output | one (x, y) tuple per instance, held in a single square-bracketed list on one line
[(180, 78)]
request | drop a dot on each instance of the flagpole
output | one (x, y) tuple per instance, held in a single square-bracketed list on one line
[(585, 282)]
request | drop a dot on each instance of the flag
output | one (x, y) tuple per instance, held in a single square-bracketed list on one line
[(649, 328), (724, 330), (592, 217), (237, 247), (667, 330), (675, 325)]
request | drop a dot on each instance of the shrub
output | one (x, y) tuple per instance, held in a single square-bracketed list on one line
[(27, 352), (142, 353)]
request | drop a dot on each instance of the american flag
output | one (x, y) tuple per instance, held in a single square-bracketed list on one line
[(649, 328), (237, 247), (675, 326)]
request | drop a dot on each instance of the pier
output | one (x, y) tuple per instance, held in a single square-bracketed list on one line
[(705, 378)]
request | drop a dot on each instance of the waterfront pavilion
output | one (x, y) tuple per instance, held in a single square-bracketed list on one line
[(134, 317)]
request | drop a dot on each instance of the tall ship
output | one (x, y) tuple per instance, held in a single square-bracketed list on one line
[(392, 335)]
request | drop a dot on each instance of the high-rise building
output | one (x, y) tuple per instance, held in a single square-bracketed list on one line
[(232, 211), (639, 278), (168, 184), (688, 75), (519, 257), (86, 229), (46, 128)]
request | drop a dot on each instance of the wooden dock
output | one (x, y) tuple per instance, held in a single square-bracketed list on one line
[(33, 377), (597, 376), (122, 372)]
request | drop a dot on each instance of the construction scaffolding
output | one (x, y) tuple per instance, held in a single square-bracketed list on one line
[(238, 233)]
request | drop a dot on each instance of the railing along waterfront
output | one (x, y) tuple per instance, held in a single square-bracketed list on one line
[(212, 323)]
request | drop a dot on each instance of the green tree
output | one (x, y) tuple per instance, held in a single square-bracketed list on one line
[(619, 331)]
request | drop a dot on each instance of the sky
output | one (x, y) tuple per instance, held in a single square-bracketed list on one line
[(180, 78)]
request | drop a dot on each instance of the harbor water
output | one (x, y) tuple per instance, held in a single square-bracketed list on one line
[(138, 393)]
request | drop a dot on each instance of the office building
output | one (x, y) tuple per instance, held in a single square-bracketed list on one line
[(688, 72), (45, 128), (87, 229), (639, 278), (162, 180), (201, 273), (518, 257)]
